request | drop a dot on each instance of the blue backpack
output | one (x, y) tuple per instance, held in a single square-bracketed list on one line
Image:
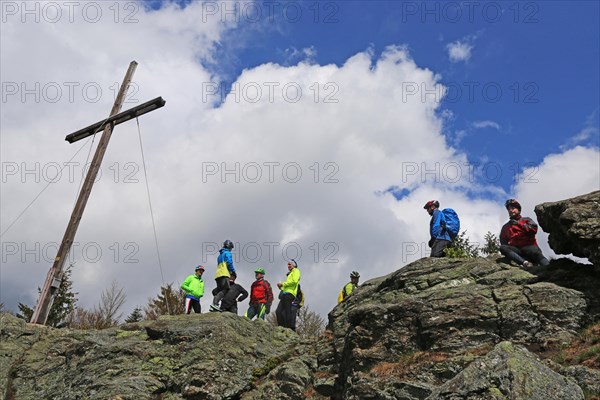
[(451, 222)]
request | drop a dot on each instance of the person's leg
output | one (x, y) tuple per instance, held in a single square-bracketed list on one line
[(287, 300), (534, 253), (250, 313), (187, 306), (437, 249), (262, 311), (279, 313), (196, 306), (223, 287), (293, 317), (512, 253)]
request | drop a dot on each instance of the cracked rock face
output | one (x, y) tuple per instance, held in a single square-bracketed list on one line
[(573, 225), (450, 309)]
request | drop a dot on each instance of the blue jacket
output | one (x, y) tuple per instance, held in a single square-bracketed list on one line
[(436, 229), (225, 263)]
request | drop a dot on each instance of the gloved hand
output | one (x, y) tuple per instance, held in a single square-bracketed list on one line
[(430, 243)]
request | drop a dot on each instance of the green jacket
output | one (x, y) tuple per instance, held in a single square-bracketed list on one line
[(291, 283), (193, 286), (348, 289)]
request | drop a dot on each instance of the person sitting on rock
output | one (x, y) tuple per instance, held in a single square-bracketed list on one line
[(261, 296), (517, 238), (194, 290), (234, 295)]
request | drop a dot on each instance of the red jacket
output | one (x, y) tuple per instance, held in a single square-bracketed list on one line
[(519, 232), (261, 292)]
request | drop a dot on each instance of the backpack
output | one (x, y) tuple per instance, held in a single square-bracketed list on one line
[(341, 296), (451, 222), (299, 300)]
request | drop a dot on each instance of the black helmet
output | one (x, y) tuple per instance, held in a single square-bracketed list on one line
[(354, 274), (432, 203), (512, 203), (228, 244)]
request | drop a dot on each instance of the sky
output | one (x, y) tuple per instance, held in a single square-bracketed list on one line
[(313, 130)]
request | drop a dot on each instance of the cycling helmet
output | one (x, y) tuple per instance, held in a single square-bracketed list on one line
[(199, 267), (228, 244), (260, 271), (512, 203), (432, 203), (354, 274)]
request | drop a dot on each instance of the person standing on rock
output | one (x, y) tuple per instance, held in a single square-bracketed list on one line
[(517, 238), (234, 295), (261, 296), (224, 270), (194, 290), (289, 290), (440, 238), (349, 287)]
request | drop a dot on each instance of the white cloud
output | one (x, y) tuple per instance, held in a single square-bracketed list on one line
[(459, 51), (346, 129), (559, 176), (307, 55), (486, 124), (349, 130), (589, 131)]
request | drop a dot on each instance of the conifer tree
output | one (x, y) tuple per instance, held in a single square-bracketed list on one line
[(135, 316), (168, 302), (64, 302)]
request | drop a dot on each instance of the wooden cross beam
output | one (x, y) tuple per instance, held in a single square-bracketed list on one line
[(54, 277)]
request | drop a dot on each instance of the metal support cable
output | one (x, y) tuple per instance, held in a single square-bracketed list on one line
[(162, 277)]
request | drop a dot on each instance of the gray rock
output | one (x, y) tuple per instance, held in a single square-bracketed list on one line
[(452, 307), (508, 372), (573, 225)]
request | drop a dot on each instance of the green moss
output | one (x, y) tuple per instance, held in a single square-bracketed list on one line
[(126, 334), (494, 391)]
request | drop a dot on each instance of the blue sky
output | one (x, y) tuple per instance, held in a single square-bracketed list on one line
[(341, 177), (532, 73)]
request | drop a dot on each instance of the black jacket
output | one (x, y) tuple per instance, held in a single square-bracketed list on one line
[(231, 297)]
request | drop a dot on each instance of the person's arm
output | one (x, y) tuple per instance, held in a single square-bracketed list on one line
[(268, 293), (244, 294), (229, 261), (201, 291), (529, 226), (436, 229), (504, 235), (186, 284)]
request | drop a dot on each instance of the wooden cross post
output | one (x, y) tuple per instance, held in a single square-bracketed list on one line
[(54, 277)]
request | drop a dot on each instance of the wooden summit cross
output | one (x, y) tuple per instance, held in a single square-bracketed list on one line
[(54, 277)]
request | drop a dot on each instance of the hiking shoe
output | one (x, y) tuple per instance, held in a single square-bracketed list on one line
[(214, 308), (527, 264)]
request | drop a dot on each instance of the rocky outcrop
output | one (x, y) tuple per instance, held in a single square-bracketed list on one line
[(208, 356), (435, 329), (415, 329), (429, 330), (573, 225)]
